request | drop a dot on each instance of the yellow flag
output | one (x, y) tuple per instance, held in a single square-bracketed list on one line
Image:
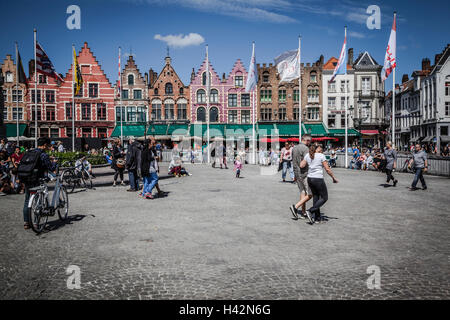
[(77, 74)]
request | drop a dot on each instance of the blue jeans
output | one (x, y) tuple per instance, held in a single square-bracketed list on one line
[(150, 182), (286, 165), (134, 180), (419, 176)]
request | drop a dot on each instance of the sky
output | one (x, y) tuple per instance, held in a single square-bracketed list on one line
[(145, 28)]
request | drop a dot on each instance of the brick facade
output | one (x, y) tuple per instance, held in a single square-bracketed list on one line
[(278, 102), (8, 70), (134, 95), (95, 114), (169, 97)]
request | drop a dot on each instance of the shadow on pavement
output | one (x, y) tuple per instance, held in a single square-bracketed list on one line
[(56, 224)]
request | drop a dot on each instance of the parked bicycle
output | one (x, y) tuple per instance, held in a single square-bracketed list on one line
[(41, 206), (76, 176), (406, 168)]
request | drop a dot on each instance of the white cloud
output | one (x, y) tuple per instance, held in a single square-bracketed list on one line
[(255, 10), (180, 40), (357, 35)]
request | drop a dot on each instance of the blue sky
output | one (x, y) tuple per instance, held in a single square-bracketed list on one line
[(227, 26)]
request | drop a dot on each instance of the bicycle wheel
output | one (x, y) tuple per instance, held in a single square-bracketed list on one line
[(63, 209), (68, 180), (38, 219), (87, 180)]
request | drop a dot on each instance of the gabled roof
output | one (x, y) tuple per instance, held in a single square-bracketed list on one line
[(365, 61), (331, 64), (444, 57), (162, 74), (238, 66)]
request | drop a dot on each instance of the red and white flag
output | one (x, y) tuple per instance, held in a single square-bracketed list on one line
[(390, 60), (43, 63)]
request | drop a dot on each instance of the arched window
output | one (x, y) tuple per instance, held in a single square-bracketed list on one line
[(169, 88), (201, 96), (266, 76), (213, 115), (201, 114), (214, 96), (313, 76), (130, 79), (181, 91)]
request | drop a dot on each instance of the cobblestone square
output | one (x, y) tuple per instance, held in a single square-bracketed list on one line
[(218, 237)]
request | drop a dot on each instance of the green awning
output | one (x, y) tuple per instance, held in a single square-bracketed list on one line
[(239, 130), (266, 130), (316, 129), (129, 131), (197, 130), (11, 129), (157, 130), (177, 130), (341, 132), (289, 130)]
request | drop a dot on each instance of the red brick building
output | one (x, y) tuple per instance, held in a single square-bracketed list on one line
[(94, 114)]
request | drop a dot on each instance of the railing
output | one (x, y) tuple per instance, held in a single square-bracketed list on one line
[(439, 166)]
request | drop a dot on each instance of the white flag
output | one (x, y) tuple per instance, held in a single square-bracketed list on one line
[(288, 65), (390, 59), (251, 79)]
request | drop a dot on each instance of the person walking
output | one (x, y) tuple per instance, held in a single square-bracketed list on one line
[(286, 159), (316, 162), (419, 163), (118, 162), (133, 160), (149, 169), (390, 155), (298, 155)]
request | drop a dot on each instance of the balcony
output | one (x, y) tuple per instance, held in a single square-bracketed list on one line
[(360, 94)]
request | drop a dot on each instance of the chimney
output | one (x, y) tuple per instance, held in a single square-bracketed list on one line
[(152, 77), (426, 64), (31, 68), (437, 58), (223, 77), (264, 65), (321, 60), (270, 65), (192, 75), (146, 78), (405, 78), (350, 56)]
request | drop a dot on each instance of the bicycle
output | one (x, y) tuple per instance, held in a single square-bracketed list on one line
[(39, 206), (76, 176), (406, 168)]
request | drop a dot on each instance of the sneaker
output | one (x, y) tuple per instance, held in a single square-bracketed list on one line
[(302, 215), (2, 194), (294, 212), (149, 196), (413, 188), (395, 183), (424, 188), (309, 216), (114, 184), (122, 183)]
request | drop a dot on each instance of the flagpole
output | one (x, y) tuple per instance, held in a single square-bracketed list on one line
[(253, 111), (207, 104), (120, 98), (346, 106), (393, 91), (35, 95), (73, 98), (299, 91), (17, 95)]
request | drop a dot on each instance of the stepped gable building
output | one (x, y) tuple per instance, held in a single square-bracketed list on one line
[(169, 97), (94, 114), (238, 104), (279, 102), (217, 103), (134, 93), (12, 94), (49, 116)]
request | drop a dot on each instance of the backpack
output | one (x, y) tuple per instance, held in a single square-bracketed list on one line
[(29, 167)]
